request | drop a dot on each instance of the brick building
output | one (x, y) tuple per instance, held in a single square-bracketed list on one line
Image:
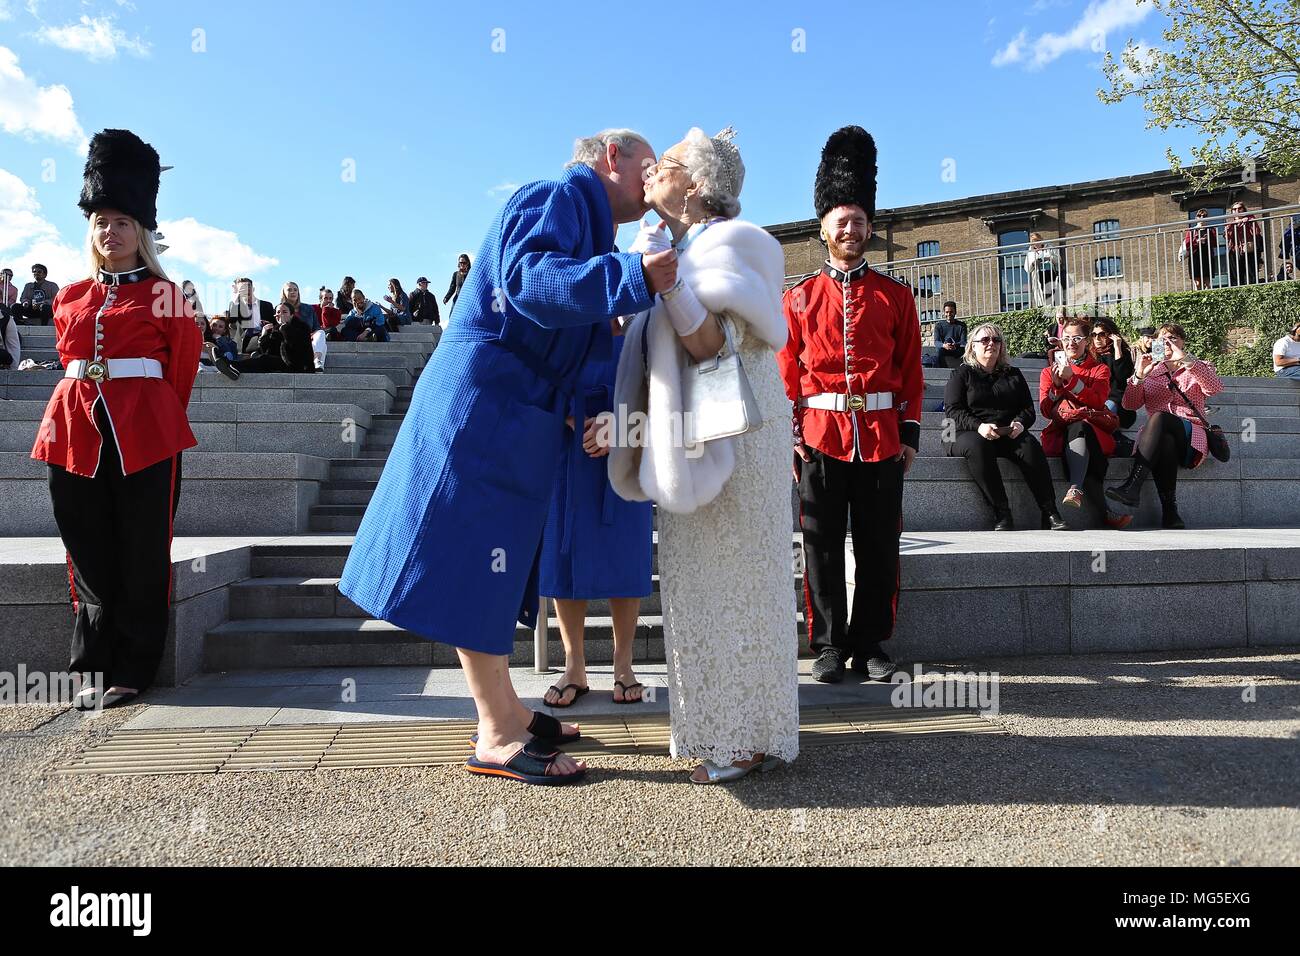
[(978, 243)]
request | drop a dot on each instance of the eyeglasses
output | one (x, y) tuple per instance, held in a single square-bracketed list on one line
[(988, 339), (667, 159), (1072, 339)]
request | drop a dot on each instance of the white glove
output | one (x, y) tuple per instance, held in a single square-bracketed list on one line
[(651, 238), (685, 312)]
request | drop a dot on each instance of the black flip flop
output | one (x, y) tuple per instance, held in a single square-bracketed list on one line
[(564, 690), (527, 766), (628, 687), (545, 730)]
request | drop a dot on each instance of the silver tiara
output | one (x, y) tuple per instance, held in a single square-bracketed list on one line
[(729, 156)]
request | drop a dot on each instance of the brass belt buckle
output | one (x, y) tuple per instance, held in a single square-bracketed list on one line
[(857, 403), (97, 371)]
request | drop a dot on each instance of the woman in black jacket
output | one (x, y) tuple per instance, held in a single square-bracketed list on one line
[(988, 401), (1113, 352)]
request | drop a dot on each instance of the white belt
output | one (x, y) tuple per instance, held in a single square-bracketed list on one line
[(831, 401), (106, 369)]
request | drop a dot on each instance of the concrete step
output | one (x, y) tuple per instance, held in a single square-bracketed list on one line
[(318, 597)]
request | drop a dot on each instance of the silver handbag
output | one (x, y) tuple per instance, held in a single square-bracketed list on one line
[(717, 401)]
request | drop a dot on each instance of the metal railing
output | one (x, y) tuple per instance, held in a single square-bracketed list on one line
[(1110, 266)]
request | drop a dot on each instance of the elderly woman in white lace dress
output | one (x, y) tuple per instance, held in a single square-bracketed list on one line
[(724, 506)]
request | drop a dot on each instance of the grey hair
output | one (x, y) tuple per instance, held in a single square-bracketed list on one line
[(588, 150), (709, 173), (969, 355)]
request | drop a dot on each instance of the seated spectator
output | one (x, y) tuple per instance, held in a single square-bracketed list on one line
[(424, 304), (11, 345), (987, 400), (36, 301), (8, 293), (1072, 396), (216, 333), (343, 298), (247, 311), (1245, 242), (1174, 392), (330, 318), (191, 295), (365, 323), (1285, 271), (290, 296), (1146, 334), (949, 337), (398, 310), (1286, 354), (1052, 335)]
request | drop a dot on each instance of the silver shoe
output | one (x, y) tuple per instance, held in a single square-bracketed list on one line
[(728, 774)]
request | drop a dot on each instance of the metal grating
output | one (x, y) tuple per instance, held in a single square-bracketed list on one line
[(433, 743)]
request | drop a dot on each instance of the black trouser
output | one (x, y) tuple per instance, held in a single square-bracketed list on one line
[(1162, 444), (261, 363), (982, 456), (118, 531), (32, 313), (870, 495), (949, 359), (1243, 268)]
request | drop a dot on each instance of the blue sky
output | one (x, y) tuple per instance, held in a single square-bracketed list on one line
[(263, 107)]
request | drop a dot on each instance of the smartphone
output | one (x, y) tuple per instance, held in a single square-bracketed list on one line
[(1158, 350), (1062, 360)]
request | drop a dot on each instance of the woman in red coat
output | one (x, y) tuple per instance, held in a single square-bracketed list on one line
[(1072, 396), (116, 424)]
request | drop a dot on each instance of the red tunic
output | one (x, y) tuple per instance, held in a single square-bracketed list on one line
[(146, 319), (853, 333), (1089, 388)]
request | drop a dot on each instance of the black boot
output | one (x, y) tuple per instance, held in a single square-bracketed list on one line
[(1130, 492), (1002, 519), (1170, 518), (1052, 520)]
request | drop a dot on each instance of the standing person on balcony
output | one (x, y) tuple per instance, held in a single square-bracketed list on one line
[(988, 402), (852, 368), (1245, 246), (949, 337), (115, 427), (1200, 250), (1286, 354), (450, 541), (1080, 428), (1174, 392), (1043, 264)]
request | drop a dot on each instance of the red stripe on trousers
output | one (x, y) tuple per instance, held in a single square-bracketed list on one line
[(807, 594), (72, 581)]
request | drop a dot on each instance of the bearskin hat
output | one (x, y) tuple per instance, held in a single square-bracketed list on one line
[(122, 172), (847, 174)]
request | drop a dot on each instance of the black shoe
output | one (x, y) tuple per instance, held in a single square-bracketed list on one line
[(1169, 518), (829, 666), (1129, 493), (1002, 520), (874, 662), (1052, 521)]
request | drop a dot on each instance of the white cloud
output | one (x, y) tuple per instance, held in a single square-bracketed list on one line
[(217, 252), (1012, 52), (29, 110), (98, 38), (1100, 19), (5, 12), (502, 190), (26, 236)]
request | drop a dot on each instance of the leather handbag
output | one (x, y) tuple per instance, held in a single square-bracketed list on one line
[(717, 401)]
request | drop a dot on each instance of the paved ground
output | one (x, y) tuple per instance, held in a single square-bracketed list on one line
[(1138, 759)]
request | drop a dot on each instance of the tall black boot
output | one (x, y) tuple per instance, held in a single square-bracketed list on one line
[(1129, 493), (1169, 506), (1002, 518)]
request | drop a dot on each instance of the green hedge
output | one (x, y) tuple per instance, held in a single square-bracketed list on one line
[(1266, 311)]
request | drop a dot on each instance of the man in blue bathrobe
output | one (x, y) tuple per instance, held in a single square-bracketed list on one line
[(449, 545)]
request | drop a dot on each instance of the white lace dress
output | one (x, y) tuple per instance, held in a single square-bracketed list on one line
[(727, 584)]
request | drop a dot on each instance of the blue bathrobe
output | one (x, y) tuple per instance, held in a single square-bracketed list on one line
[(596, 544), (449, 545)]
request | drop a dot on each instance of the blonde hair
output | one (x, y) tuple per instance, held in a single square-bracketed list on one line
[(969, 356), (147, 250), (284, 291)]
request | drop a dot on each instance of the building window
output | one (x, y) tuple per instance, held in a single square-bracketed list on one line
[(1105, 229), (1013, 281), (1109, 267), (931, 316), (927, 285), (926, 249)]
